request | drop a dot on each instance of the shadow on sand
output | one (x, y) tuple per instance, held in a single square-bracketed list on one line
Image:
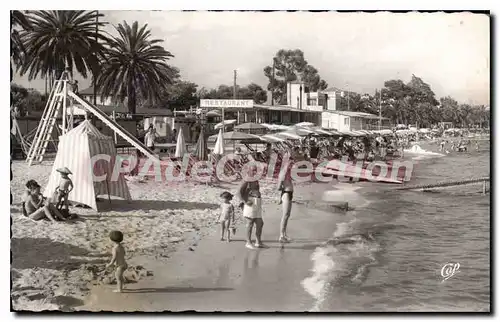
[(133, 205), (178, 290), (45, 253)]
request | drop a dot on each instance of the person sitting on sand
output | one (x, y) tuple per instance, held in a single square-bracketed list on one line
[(118, 259), (249, 193), (63, 190), (36, 207), (226, 217), (285, 185)]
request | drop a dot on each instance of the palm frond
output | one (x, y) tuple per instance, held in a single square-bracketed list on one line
[(134, 64), (62, 38)]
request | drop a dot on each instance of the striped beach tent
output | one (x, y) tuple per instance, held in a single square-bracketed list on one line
[(75, 151)]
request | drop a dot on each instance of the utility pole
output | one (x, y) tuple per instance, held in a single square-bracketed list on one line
[(274, 80), (380, 111), (234, 86), (348, 97)]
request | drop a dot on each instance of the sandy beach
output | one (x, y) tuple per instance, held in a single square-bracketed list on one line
[(55, 266), (210, 275)]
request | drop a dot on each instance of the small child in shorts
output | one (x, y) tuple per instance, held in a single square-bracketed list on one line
[(226, 217), (63, 189), (118, 259)]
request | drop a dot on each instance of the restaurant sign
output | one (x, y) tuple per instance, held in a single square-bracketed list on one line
[(226, 103)]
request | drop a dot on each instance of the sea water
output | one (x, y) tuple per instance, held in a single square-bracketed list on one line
[(387, 254)]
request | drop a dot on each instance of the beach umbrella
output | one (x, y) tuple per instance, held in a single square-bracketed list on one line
[(272, 138), (270, 127), (322, 132), (235, 136), (305, 124), (250, 126), (214, 113), (180, 147), (288, 135), (226, 123), (334, 132), (281, 127), (219, 144), (201, 151), (300, 131)]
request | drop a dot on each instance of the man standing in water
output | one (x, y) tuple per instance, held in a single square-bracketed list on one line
[(252, 209), (285, 185)]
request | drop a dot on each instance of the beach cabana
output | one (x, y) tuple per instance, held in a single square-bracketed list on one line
[(180, 147), (76, 151)]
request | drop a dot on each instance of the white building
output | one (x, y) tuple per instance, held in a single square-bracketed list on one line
[(327, 102), (351, 121)]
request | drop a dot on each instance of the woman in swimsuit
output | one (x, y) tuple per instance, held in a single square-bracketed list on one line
[(285, 185), (35, 205)]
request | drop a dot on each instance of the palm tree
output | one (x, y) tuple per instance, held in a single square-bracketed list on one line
[(135, 65), (62, 39), (18, 22)]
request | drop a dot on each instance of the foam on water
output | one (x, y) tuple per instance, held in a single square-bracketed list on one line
[(347, 255), (346, 193), (416, 149)]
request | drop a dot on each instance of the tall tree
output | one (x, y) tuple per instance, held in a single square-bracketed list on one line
[(26, 100), (134, 63), (251, 91), (290, 65), (60, 39), (179, 95), (421, 91)]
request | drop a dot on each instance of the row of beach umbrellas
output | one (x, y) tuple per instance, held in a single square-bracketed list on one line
[(295, 132)]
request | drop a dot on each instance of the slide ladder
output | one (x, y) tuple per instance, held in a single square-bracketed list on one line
[(114, 126), (45, 128)]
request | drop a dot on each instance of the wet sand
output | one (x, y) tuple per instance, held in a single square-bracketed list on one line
[(221, 276)]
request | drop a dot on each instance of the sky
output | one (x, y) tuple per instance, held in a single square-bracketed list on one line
[(354, 51)]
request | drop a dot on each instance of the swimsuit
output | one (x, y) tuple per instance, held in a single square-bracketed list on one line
[(289, 192), (255, 210)]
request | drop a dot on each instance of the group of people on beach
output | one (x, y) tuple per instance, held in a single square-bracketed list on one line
[(462, 145), (251, 207)]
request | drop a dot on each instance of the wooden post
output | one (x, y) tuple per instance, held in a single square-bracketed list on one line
[(114, 119), (484, 187), (223, 123), (64, 107)]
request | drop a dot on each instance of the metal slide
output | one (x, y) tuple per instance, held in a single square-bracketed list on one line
[(114, 126)]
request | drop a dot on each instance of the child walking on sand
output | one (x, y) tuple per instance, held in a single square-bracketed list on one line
[(118, 259), (226, 217)]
